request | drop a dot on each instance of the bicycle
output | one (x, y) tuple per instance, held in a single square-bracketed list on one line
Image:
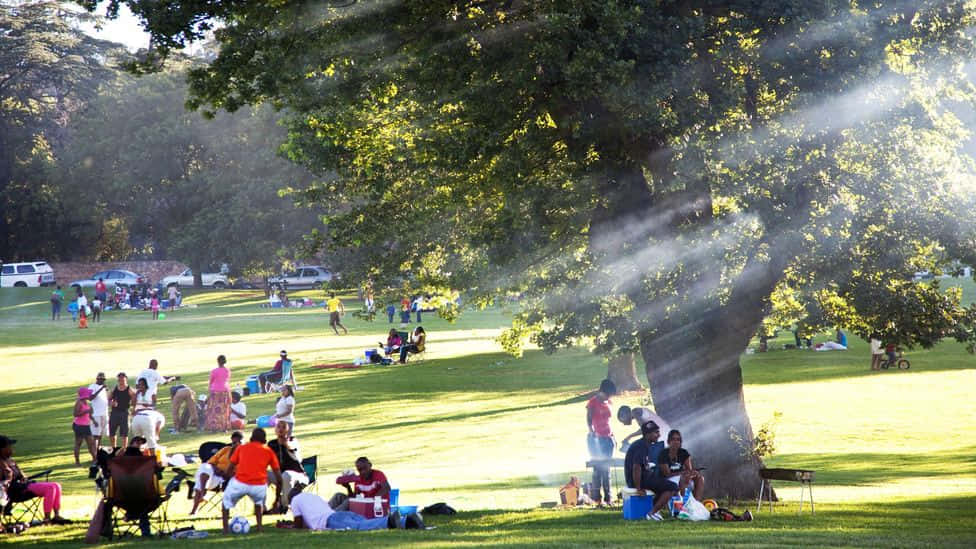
[(900, 361)]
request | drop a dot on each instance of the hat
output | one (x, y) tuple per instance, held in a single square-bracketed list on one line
[(6, 441), (84, 392), (283, 353), (650, 427)]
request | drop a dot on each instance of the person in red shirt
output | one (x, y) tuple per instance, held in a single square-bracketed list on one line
[(600, 440), (100, 289), (368, 483), (249, 476)]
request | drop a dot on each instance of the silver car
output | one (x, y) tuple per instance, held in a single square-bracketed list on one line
[(302, 277), (217, 281), (114, 277)]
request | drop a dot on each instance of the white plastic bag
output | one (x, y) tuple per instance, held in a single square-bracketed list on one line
[(694, 510)]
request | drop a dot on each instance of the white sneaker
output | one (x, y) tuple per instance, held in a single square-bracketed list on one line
[(654, 516)]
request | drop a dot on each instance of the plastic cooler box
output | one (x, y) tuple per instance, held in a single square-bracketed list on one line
[(251, 382), (365, 507), (637, 507), (369, 353)]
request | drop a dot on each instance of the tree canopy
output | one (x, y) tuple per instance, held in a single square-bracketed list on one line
[(647, 175)]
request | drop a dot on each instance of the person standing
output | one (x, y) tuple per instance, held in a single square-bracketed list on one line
[(96, 307), (154, 305), (336, 310), (249, 470), (218, 401), (146, 421), (172, 297), (391, 312), (153, 378), (99, 403), (122, 399), (100, 291), (599, 440), (876, 351), (82, 302), (82, 424), (57, 298), (368, 302)]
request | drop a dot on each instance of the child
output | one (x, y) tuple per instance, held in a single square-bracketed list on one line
[(82, 317), (154, 304), (890, 351), (391, 311), (238, 411)]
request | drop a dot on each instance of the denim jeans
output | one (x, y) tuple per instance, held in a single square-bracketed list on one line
[(347, 520), (600, 447)]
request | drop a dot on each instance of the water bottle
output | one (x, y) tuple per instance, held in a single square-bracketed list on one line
[(377, 507)]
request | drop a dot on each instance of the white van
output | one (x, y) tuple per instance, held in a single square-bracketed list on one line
[(22, 275)]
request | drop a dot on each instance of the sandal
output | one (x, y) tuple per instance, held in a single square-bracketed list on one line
[(60, 520)]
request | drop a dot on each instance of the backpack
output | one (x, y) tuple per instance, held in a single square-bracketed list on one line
[(438, 509)]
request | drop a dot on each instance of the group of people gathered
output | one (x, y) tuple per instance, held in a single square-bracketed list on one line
[(82, 309), (650, 465)]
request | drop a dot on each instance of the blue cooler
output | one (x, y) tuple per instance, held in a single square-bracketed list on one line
[(369, 353), (637, 507), (252, 385), (164, 304)]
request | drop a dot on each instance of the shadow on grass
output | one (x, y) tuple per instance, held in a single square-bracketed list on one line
[(862, 469)]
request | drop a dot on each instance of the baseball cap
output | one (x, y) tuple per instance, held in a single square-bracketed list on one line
[(6, 441), (649, 427), (283, 353)]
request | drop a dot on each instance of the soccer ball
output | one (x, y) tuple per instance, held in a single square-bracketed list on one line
[(239, 525)]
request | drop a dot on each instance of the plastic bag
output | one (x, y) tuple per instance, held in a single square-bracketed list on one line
[(694, 510)]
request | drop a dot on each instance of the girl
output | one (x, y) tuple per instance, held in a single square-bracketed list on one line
[(285, 407), (218, 402), (675, 465), (154, 305), (82, 423)]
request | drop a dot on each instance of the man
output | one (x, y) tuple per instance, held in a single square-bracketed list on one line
[(368, 483), (57, 298), (184, 407), (100, 291), (249, 465), (876, 352), (292, 473), (640, 469), (275, 374), (99, 403), (154, 378), (212, 474), (147, 424), (336, 310), (627, 415), (312, 512)]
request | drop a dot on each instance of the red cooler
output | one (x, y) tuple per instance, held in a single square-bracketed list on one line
[(366, 507)]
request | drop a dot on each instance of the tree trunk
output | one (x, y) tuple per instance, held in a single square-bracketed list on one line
[(621, 370), (197, 276)]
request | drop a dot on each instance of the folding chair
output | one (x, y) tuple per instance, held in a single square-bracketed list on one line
[(287, 377), (24, 506), (212, 499), (417, 357), (311, 467), (134, 496)]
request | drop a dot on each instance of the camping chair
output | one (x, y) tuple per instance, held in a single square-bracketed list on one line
[(133, 493), (311, 467), (24, 507), (287, 377), (212, 500), (417, 357)]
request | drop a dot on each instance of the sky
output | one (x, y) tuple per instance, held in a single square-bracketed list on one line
[(125, 30)]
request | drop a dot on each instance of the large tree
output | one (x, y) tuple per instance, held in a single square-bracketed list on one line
[(645, 174), (48, 70)]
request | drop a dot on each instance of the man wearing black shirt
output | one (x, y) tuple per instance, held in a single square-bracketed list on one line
[(292, 472), (640, 469)]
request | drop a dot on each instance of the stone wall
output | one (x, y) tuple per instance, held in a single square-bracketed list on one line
[(153, 270)]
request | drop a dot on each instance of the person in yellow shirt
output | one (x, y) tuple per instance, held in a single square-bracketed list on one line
[(336, 310), (215, 471)]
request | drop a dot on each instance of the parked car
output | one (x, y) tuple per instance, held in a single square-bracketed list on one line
[(216, 281), (114, 277), (22, 275), (302, 277)]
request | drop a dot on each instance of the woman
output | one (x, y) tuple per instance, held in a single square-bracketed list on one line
[(147, 423), (83, 420), (285, 407), (14, 482), (120, 401), (417, 341), (675, 465), (393, 342), (600, 440), (218, 402)]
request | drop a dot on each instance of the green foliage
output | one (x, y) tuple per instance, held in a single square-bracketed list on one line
[(763, 445)]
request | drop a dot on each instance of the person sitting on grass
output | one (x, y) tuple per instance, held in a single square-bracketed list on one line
[(368, 483), (249, 470), (238, 411), (292, 473), (674, 462), (639, 415), (212, 474), (418, 340), (312, 512), (640, 469), (16, 485)]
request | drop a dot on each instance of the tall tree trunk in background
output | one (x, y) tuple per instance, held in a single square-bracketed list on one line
[(621, 370), (197, 275)]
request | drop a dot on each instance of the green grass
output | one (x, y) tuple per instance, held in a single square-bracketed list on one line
[(895, 452)]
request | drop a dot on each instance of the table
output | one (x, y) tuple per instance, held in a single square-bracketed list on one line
[(610, 463)]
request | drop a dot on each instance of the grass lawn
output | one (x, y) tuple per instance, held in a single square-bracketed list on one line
[(895, 452)]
